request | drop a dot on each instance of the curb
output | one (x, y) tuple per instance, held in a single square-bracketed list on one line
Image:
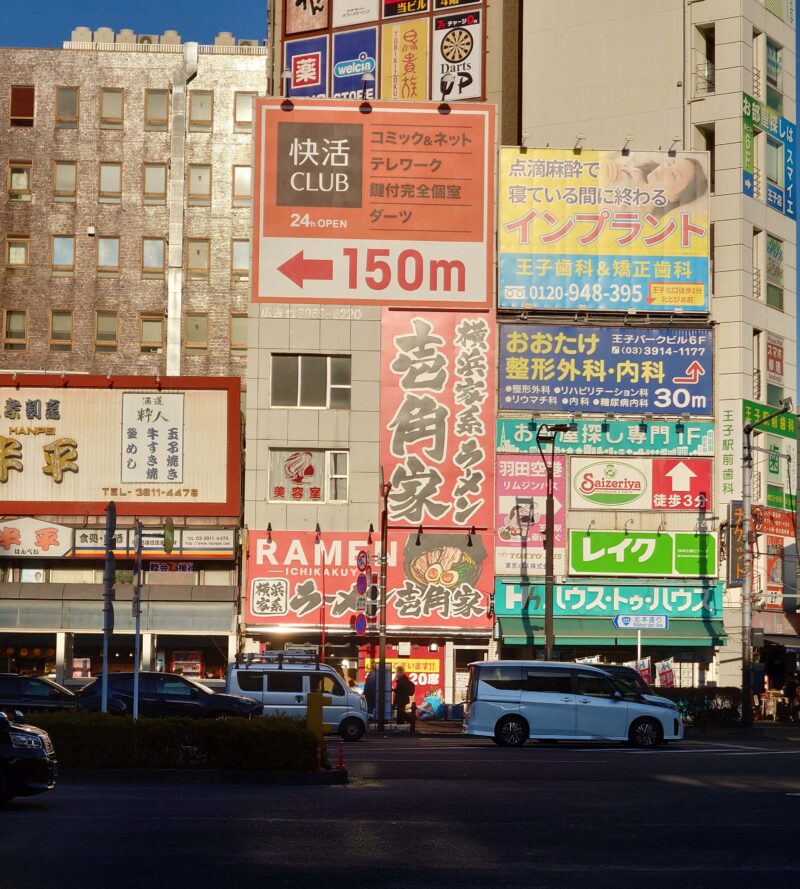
[(201, 776)]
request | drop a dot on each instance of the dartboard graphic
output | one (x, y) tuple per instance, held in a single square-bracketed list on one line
[(457, 45)]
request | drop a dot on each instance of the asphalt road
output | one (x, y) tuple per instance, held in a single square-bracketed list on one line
[(433, 812)]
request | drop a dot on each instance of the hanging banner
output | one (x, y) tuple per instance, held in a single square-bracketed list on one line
[(520, 522), (437, 418), (404, 61), (779, 160), (435, 581), (643, 553), (457, 57), (305, 15), (622, 370), (354, 55), (307, 62), (688, 438), (601, 231)]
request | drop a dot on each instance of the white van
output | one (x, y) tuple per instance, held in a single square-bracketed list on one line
[(511, 701), (280, 682)]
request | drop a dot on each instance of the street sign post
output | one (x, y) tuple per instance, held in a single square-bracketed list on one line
[(391, 207), (641, 622)]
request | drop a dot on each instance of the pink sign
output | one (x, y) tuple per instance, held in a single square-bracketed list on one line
[(521, 493)]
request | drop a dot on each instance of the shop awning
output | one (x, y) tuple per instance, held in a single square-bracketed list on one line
[(685, 632), (790, 643)]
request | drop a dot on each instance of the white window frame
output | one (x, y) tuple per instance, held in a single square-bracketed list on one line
[(329, 385)]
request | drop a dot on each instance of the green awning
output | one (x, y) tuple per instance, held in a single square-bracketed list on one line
[(683, 632)]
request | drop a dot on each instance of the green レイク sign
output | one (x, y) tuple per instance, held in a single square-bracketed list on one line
[(642, 554), (783, 424)]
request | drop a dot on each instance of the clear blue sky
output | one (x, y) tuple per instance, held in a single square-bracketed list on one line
[(50, 22)]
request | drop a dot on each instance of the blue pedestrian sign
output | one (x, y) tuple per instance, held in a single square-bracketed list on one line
[(641, 622)]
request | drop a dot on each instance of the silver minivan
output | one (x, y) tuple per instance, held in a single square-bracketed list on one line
[(511, 701), (281, 684)]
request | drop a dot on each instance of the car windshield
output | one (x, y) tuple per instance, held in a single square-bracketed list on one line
[(627, 687), (200, 685), (55, 685)]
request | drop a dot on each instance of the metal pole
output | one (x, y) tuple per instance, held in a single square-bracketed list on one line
[(137, 613), (747, 580), (638, 645), (549, 631), (385, 489)]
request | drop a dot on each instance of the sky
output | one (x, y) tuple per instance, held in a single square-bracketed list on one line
[(198, 20)]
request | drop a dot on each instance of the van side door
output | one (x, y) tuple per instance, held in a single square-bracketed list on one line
[(250, 684), (548, 702), (600, 714), (285, 694), (332, 687)]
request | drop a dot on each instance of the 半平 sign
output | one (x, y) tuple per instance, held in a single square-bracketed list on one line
[(637, 484), (643, 553), (391, 207)]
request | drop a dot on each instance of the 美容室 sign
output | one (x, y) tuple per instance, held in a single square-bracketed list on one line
[(643, 553), (689, 438), (619, 370), (640, 484), (393, 207)]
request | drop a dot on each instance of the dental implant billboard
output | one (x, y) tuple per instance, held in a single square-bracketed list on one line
[(603, 230)]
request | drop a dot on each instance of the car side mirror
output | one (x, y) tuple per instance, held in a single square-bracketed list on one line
[(616, 695), (193, 694)]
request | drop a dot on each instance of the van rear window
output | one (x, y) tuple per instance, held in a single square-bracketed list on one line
[(250, 680), (505, 678)]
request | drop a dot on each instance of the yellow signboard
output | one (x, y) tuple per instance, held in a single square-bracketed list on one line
[(404, 61)]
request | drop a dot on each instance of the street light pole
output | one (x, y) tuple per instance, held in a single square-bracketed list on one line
[(548, 437), (747, 560), (385, 490)]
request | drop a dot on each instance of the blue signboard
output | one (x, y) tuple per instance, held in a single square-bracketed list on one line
[(590, 599), (620, 370), (779, 161), (354, 55), (307, 60)]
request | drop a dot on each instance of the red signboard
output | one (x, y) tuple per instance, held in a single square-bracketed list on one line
[(681, 483), (441, 582)]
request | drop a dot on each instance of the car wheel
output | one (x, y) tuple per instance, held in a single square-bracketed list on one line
[(351, 730), (645, 734), (511, 731)]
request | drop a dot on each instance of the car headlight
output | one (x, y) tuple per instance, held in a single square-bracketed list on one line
[(29, 742)]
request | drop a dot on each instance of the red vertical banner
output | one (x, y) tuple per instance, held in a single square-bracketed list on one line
[(437, 422)]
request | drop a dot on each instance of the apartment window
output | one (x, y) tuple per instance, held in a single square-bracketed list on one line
[(239, 336), (65, 178), (307, 475), (154, 184), (242, 177), (60, 331), (67, 107), (314, 381), (774, 162), (111, 109), (705, 80), (707, 141), (110, 183), (18, 252), (105, 331), (152, 333), (243, 112), (240, 259), (774, 395), (19, 180), (153, 254), (774, 76), (198, 257), (62, 257), (15, 330), (156, 109), (201, 111), (21, 106), (108, 255), (774, 272), (199, 193), (196, 334)]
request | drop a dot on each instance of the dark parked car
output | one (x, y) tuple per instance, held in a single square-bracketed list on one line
[(33, 693), (27, 761), (164, 694)]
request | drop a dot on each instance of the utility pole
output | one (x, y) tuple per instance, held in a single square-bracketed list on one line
[(108, 597), (386, 488), (137, 614), (546, 436), (747, 561)]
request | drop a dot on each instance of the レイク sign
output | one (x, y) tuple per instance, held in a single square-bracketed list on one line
[(643, 553)]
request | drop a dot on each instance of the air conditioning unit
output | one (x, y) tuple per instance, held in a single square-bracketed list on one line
[(248, 43), (147, 39)]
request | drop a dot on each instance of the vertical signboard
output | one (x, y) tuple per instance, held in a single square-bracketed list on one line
[(779, 149), (602, 231), (404, 61), (393, 207), (775, 359), (621, 370), (305, 15), (457, 56), (354, 55), (307, 62)]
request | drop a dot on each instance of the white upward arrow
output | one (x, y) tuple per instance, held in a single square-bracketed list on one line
[(681, 477)]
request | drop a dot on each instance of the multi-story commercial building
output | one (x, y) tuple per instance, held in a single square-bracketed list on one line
[(124, 218)]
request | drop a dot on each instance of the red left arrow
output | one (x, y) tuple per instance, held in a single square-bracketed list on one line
[(298, 269)]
